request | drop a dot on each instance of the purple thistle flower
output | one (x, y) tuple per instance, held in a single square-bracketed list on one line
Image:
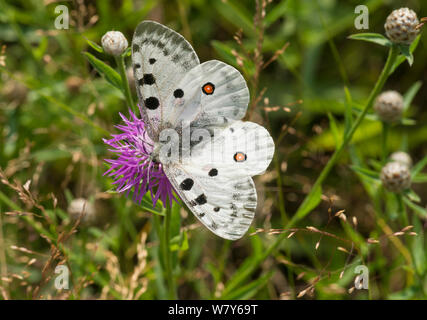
[(134, 168)]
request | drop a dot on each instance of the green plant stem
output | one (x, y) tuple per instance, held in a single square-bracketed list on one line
[(168, 255), (282, 207), (392, 56), (384, 139), (377, 89), (120, 61)]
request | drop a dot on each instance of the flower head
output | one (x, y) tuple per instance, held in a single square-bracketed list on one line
[(389, 106), (135, 168), (396, 177), (83, 209), (114, 43), (402, 157), (402, 26)]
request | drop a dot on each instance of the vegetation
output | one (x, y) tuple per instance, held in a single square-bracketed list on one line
[(322, 208)]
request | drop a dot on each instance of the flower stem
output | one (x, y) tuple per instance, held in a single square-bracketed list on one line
[(120, 61), (282, 207), (392, 56), (393, 53), (384, 138), (168, 255)]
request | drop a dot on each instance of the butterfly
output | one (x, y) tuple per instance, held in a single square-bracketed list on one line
[(177, 92)]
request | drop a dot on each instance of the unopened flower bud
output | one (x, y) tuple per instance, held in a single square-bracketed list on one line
[(114, 43), (82, 209), (402, 157), (401, 26), (389, 106), (396, 177)]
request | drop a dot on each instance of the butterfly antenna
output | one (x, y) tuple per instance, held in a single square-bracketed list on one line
[(148, 175)]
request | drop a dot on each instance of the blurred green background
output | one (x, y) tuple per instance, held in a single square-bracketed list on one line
[(55, 109)]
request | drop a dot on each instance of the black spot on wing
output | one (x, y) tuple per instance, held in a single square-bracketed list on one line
[(152, 60), (187, 184), (201, 199), (149, 79), (213, 172), (178, 93), (152, 103)]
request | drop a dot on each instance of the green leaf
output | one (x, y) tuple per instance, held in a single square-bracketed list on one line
[(248, 291), (402, 58), (236, 14), (224, 51), (109, 73), (419, 166), (127, 53), (372, 37), (94, 46), (348, 110), (418, 249), (405, 294), (179, 242), (408, 122), (276, 13), (410, 94), (147, 205), (422, 212), (367, 173), (41, 49), (334, 129), (420, 178), (412, 195), (406, 52), (377, 165), (311, 202)]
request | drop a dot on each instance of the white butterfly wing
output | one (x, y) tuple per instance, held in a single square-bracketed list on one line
[(225, 205), (211, 94), (160, 58), (217, 187)]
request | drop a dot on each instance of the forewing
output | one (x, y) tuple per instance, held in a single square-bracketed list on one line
[(211, 94), (160, 58)]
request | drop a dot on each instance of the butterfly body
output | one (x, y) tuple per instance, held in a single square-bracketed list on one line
[(193, 111)]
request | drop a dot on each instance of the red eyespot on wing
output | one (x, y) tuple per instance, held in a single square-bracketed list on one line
[(208, 88), (239, 157)]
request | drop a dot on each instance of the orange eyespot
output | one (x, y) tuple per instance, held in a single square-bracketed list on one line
[(208, 88), (239, 157)]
